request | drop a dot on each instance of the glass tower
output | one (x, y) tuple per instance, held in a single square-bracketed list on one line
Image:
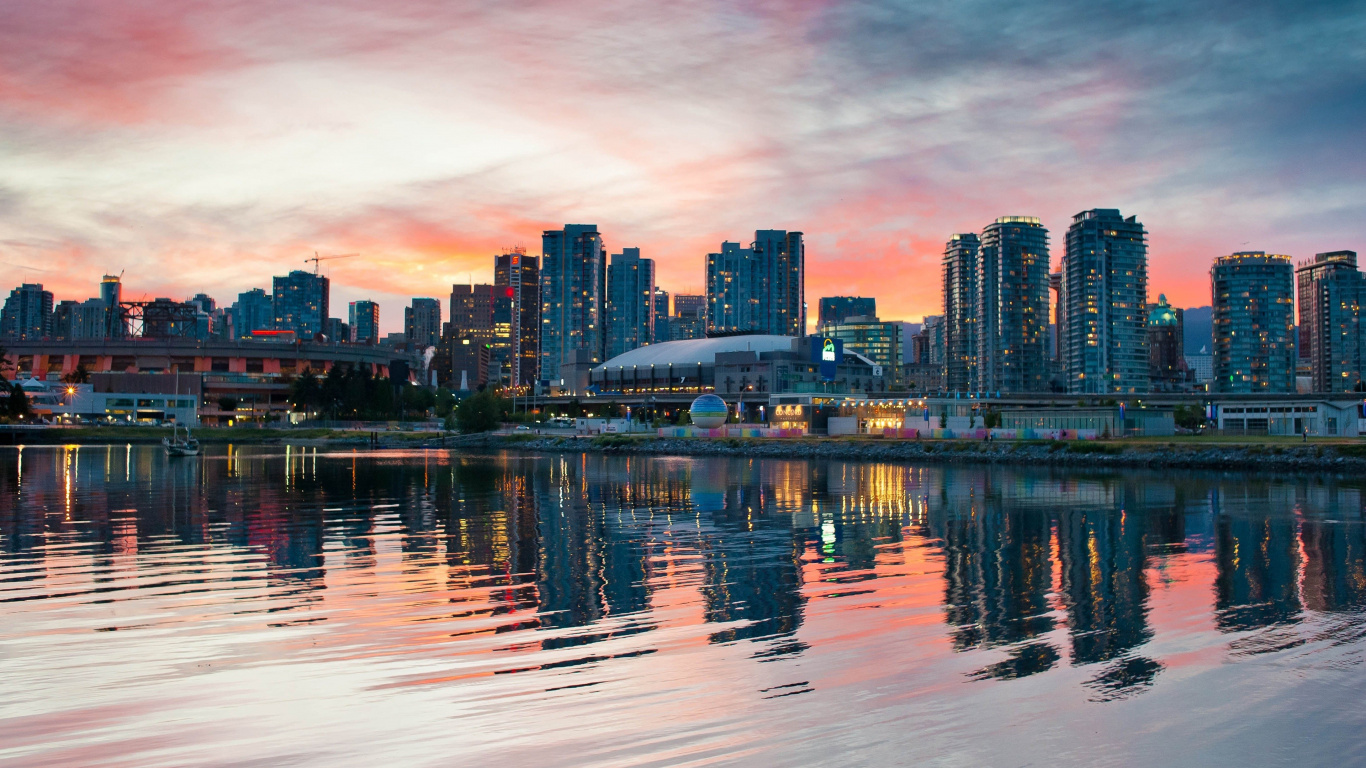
[(1102, 335), (1253, 315), (1012, 306)]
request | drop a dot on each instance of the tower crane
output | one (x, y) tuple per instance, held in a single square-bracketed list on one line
[(316, 258)]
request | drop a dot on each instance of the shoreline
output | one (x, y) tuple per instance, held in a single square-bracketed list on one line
[(1181, 453), (1332, 458)]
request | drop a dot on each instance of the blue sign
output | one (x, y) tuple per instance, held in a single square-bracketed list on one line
[(829, 353)]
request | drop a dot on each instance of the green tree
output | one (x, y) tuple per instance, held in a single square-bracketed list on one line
[(444, 401), (481, 412)]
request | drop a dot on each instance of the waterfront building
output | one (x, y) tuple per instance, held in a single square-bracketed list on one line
[(573, 288), (630, 302), (1167, 369), (422, 323), (960, 312), (834, 309), (1330, 298), (300, 301), (759, 289), (878, 341), (1253, 323), (1012, 306), (516, 349), (1102, 332), (363, 319), (27, 314)]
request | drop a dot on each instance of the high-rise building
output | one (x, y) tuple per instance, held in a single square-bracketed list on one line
[(630, 302), (472, 312), (1102, 299), (60, 325), (363, 319), (254, 310), (300, 302), (663, 313), (1012, 306), (782, 259), (1253, 317), (111, 292), (334, 330), (573, 288), (1331, 296), (1167, 370), (422, 323), (27, 314), (760, 289), (689, 319), (960, 312), (517, 317), (834, 309), (932, 328)]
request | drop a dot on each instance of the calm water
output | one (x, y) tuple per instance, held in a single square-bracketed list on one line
[(270, 607)]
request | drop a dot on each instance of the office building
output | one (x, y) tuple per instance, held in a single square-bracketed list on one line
[(516, 349), (630, 302), (573, 288), (689, 319), (1167, 369), (27, 314), (254, 311), (1102, 332), (472, 312), (300, 302), (1012, 306), (878, 341), (834, 309), (363, 319), (1253, 317), (422, 323), (960, 312), (335, 330), (1330, 298), (759, 289)]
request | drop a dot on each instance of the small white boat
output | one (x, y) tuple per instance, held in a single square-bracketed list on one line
[(178, 446)]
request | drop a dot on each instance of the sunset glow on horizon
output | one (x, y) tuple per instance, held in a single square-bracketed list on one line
[(208, 146)]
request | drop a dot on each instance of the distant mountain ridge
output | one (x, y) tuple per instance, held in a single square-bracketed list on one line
[(1199, 329)]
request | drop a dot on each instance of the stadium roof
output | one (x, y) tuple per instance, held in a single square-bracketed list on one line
[(696, 351)]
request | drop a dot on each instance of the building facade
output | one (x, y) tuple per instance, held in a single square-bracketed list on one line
[(630, 317), (363, 319), (834, 309), (422, 323), (516, 347), (960, 312), (1102, 329), (253, 311), (1012, 306), (878, 341), (663, 314), (1330, 298), (759, 289), (300, 302), (27, 314), (1253, 317), (573, 288)]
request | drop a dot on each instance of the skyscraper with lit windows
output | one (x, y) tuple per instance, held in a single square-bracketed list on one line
[(960, 312), (1102, 331), (1253, 317), (1012, 306), (573, 297)]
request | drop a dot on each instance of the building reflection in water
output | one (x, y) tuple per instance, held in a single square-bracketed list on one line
[(1039, 568)]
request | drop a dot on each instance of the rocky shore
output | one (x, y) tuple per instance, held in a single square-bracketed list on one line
[(1334, 458)]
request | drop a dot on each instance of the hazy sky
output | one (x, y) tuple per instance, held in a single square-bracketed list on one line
[(210, 145)]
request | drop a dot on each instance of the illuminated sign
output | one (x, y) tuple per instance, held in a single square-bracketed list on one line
[(828, 351)]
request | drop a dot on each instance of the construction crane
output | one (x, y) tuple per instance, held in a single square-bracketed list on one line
[(316, 258)]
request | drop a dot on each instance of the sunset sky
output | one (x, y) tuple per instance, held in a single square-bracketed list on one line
[(206, 146)]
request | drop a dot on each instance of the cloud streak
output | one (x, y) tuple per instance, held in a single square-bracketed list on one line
[(208, 146)]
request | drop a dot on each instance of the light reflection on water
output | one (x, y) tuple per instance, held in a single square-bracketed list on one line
[(295, 606)]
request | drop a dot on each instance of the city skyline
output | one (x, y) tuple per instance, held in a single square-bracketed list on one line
[(208, 146)]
